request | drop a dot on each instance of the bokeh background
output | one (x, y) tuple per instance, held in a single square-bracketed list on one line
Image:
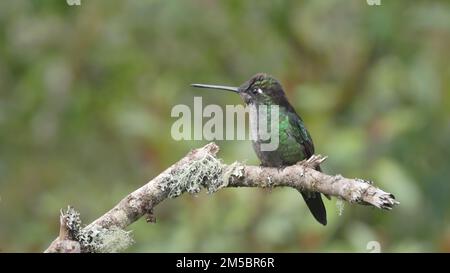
[(86, 94)]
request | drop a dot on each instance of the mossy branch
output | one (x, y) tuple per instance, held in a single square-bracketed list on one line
[(201, 169)]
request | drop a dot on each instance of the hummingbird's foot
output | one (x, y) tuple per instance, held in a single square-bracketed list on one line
[(313, 162)]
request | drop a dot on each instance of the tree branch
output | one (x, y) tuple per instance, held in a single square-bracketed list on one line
[(201, 169)]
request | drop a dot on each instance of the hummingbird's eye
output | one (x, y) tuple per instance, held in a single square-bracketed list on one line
[(257, 91)]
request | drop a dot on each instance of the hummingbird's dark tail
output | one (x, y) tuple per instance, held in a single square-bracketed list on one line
[(315, 204)]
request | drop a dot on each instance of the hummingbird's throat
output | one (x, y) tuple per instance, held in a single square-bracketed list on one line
[(264, 126)]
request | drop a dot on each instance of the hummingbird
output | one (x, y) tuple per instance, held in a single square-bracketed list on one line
[(295, 142)]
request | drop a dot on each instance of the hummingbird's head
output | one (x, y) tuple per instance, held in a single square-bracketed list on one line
[(259, 89)]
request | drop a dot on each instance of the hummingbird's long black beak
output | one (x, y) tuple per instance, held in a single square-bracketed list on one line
[(219, 87)]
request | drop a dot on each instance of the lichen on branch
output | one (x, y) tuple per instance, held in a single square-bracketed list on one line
[(202, 169), (204, 172), (74, 238)]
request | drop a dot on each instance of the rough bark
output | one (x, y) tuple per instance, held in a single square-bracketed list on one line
[(201, 169)]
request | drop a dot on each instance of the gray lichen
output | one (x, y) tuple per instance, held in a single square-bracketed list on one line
[(340, 206), (364, 181), (72, 221), (197, 174), (96, 238), (101, 240), (234, 171)]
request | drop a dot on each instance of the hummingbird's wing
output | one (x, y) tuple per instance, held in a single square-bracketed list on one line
[(304, 138), (313, 199), (298, 131)]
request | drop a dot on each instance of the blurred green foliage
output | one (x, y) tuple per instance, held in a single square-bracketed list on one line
[(86, 93)]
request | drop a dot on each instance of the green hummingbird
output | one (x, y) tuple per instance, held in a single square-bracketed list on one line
[(295, 142)]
